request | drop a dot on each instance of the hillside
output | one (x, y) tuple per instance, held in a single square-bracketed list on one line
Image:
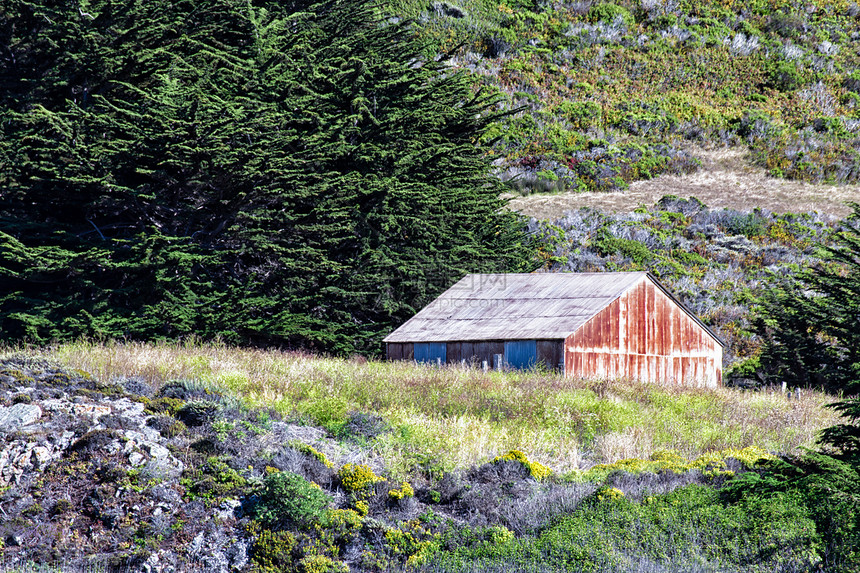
[(133, 469), (610, 93)]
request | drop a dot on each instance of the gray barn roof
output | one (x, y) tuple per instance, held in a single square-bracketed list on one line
[(519, 307)]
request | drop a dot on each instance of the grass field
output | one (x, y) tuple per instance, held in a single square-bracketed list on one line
[(443, 419)]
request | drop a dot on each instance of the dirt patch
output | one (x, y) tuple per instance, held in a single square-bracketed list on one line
[(727, 179)]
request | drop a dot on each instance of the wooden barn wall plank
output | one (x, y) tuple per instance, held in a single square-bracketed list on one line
[(399, 350), (644, 335), (550, 352)]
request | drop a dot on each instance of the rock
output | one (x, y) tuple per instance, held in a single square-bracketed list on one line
[(165, 494), (443, 9), (41, 457), (238, 555), (17, 416), (228, 509), (91, 411), (161, 464), (151, 565), (19, 458), (196, 544), (127, 407)]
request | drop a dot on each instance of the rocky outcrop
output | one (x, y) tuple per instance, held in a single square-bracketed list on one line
[(89, 474)]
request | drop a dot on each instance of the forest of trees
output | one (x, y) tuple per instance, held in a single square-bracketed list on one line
[(290, 174)]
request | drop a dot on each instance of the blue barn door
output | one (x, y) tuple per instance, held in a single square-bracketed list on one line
[(521, 354), (431, 351)]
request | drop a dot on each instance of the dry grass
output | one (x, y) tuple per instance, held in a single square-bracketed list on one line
[(727, 179), (453, 417)]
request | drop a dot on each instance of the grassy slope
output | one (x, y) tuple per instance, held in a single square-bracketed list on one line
[(453, 418), (726, 179), (614, 93)]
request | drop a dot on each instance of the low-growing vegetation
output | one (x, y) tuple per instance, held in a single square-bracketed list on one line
[(270, 491), (426, 420)]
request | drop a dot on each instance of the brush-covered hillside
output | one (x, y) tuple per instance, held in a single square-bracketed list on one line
[(613, 92), (211, 458)]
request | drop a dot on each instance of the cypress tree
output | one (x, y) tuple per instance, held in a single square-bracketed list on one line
[(811, 328), (278, 173)]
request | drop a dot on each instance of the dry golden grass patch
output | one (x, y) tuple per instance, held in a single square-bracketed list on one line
[(448, 418), (726, 179)]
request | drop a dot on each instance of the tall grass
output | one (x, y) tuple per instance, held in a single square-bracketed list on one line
[(452, 417)]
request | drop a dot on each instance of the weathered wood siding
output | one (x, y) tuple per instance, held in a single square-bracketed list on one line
[(399, 350), (475, 353), (550, 352), (644, 335)]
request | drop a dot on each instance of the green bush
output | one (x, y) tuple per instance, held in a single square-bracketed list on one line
[(357, 478), (746, 224), (608, 12), (785, 77), (818, 489), (272, 551), (688, 529), (288, 498), (607, 245), (852, 82)]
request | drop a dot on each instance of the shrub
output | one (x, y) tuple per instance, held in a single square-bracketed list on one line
[(537, 470), (607, 245), (852, 82), (164, 405), (95, 441), (357, 478), (166, 426), (197, 413), (411, 542), (61, 506), (608, 12), (746, 224), (290, 498), (340, 526), (405, 491), (785, 77), (272, 551), (312, 452), (362, 507), (321, 564), (609, 494)]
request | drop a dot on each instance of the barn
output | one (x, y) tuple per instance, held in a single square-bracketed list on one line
[(591, 325)]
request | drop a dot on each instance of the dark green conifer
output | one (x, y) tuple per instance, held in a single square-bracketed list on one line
[(811, 325), (283, 173)]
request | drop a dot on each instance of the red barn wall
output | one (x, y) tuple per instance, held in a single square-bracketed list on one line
[(644, 335)]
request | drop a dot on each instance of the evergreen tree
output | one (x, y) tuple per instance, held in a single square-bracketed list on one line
[(282, 173), (811, 325)]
